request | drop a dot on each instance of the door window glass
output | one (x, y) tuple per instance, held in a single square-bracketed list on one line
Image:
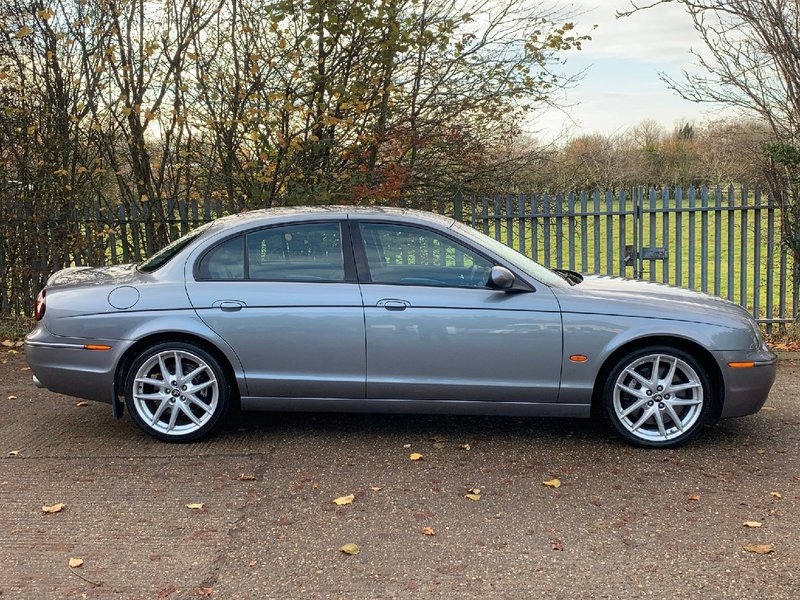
[(304, 252), (407, 255), (224, 262)]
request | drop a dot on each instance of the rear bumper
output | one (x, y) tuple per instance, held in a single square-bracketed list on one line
[(65, 366), (746, 389)]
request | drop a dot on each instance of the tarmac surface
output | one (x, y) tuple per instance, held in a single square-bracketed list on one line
[(624, 523)]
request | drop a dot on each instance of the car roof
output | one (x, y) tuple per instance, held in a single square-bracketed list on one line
[(268, 215)]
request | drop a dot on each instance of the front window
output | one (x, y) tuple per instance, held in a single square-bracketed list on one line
[(403, 255), (512, 257)]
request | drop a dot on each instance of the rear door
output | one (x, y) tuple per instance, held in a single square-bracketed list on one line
[(286, 300), (435, 331)]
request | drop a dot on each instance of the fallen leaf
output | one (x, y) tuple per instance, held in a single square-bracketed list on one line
[(552, 483), (760, 548), (244, 477), (768, 408), (252, 563), (776, 495), (25, 369), (7, 344), (375, 488), (12, 397), (557, 545), (342, 500), (350, 549), (82, 403), (415, 456), (751, 524), (473, 494), (465, 446), (428, 531), (694, 498), (74, 563), (205, 592), (406, 445), (14, 453), (195, 505), (54, 508)]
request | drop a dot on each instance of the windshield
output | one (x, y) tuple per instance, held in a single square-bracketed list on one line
[(163, 256), (520, 261)]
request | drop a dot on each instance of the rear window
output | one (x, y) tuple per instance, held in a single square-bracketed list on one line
[(166, 254)]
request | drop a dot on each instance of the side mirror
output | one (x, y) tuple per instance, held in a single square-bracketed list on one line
[(501, 278)]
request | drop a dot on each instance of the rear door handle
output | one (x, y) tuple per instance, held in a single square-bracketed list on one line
[(394, 304), (229, 305)]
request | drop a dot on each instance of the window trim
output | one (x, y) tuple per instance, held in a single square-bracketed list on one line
[(348, 260), (362, 264)]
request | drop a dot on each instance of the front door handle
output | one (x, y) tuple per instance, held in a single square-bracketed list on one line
[(394, 304), (229, 305)]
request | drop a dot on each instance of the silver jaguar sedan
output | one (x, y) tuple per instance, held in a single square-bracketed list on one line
[(388, 310)]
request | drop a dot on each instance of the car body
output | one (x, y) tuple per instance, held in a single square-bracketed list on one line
[(388, 310)]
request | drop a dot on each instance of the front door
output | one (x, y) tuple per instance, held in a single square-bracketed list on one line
[(435, 331)]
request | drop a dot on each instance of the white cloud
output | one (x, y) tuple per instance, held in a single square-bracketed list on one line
[(662, 34)]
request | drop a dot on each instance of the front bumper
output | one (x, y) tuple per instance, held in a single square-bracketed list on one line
[(65, 366), (746, 389)]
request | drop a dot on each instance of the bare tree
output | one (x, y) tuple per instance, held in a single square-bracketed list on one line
[(751, 61)]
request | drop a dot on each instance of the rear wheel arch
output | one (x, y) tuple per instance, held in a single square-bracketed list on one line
[(694, 349), (124, 364)]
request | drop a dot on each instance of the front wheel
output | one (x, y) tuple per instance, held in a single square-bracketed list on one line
[(176, 392), (658, 397)]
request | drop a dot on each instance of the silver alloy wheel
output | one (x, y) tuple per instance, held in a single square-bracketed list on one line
[(175, 392), (658, 397)]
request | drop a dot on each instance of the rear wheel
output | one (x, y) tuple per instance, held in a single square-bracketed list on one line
[(176, 392), (658, 397)]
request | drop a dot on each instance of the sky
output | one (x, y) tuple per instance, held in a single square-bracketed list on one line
[(621, 85)]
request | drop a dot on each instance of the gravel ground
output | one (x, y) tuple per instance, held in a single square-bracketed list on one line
[(624, 522)]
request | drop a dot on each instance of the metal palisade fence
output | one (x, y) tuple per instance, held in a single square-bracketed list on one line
[(724, 242)]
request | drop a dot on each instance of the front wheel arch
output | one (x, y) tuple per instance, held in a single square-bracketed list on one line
[(695, 350)]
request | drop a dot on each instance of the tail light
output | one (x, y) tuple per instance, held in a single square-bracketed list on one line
[(38, 311)]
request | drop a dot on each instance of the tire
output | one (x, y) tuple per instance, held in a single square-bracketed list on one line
[(658, 412), (177, 404)]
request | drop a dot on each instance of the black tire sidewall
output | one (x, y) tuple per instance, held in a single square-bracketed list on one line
[(623, 362), (223, 401)]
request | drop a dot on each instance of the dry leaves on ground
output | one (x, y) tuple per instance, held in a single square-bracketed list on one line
[(14, 453), (205, 592), (195, 505), (343, 500), (552, 483), (82, 403), (244, 477), (75, 563), (428, 531), (12, 397), (55, 508), (473, 494), (694, 498), (415, 456), (375, 488), (776, 495)]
